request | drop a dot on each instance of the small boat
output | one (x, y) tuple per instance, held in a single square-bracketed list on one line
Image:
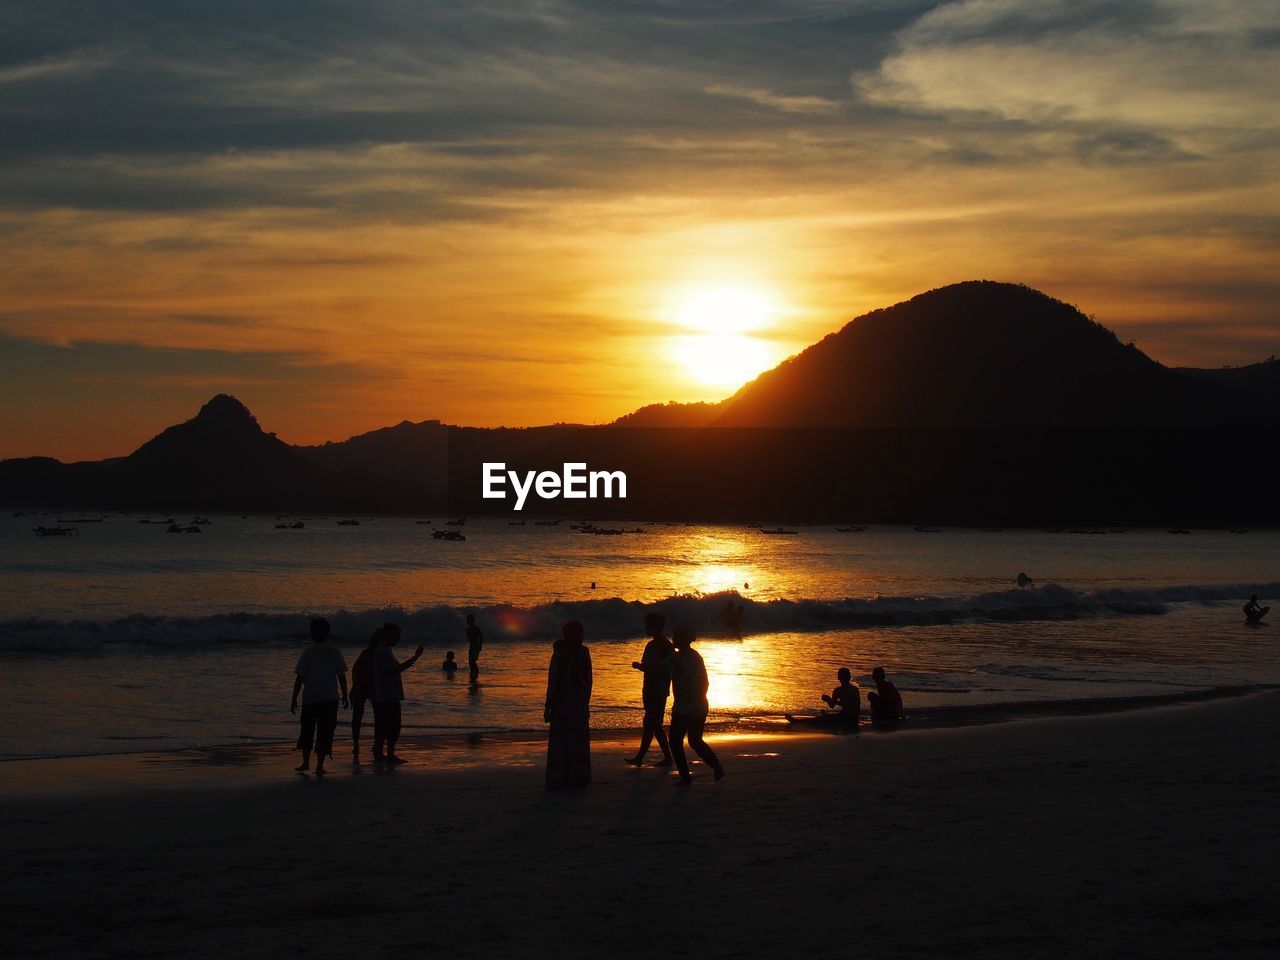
[(296, 525), (56, 532), (448, 535), (515, 523), (423, 523), (460, 522), (778, 531), (349, 523), (850, 529)]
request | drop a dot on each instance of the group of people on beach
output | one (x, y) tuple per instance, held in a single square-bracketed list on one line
[(669, 667), (845, 701), (321, 678), (674, 667)]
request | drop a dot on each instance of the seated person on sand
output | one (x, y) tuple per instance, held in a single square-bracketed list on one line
[(450, 665), (846, 699), (886, 702)]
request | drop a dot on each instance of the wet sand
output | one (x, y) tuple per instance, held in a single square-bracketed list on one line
[(1144, 833)]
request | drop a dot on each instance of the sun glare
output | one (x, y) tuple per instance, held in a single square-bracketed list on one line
[(724, 308), (718, 349), (723, 361)]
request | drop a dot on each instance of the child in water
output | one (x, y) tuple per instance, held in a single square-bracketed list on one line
[(450, 665)]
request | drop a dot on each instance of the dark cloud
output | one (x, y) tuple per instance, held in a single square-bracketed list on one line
[(502, 84)]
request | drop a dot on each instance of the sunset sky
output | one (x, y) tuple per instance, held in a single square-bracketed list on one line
[(522, 212)]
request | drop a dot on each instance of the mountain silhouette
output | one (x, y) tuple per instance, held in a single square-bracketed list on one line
[(979, 402), (673, 414), (975, 354), (221, 455), (1256, 383)]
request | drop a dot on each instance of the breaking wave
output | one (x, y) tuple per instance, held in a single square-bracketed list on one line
[(617, 619)]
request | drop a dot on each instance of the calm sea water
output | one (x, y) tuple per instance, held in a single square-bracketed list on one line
[(127, 637)]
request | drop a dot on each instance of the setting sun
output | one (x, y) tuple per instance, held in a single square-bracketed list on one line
[(723, 361), (718, 350), (725, 308)]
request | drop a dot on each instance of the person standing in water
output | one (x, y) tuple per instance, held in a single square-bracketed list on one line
[(846, 699), (388, 691), (689, 711), (886, 702), (568, 711), (320, 675), (654, 692), (1252, 612), (475, 640), (362, 690)]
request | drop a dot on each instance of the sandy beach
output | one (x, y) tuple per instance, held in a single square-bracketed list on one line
[(1142, 833)]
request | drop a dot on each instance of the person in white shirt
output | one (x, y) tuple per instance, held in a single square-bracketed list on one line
[(690, 708), (320, 675)]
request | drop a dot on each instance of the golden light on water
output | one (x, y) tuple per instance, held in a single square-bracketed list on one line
[(718, 348), (719, 577)]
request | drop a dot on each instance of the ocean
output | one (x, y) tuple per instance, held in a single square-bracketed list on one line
[(126, 637)]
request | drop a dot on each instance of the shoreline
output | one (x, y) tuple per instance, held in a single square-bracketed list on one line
[(1144, 833), (232, 765)]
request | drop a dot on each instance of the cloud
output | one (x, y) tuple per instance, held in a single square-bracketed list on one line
[(77, 63), (785, 103), (1184, 67)]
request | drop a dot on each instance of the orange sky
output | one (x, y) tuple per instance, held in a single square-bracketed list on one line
[(501, 217)]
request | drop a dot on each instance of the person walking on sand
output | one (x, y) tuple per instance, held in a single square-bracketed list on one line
[(388, 693), (689, 711), (886, 702), (362, 690), (320, 675), (475, 640), (655, 690), (568, 711)]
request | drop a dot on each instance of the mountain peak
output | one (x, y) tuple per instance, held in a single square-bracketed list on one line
[(225, 409), (977, 354)]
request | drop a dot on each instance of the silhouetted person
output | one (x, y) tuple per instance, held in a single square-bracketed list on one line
[(689, 711), (568, 711), (475, 640), (362, 690), (1024, 581), (321, 673), (654, 692), (733, 619), (1252, 612), (846, 699), (886, 702), (388, 690), (450, 665)]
